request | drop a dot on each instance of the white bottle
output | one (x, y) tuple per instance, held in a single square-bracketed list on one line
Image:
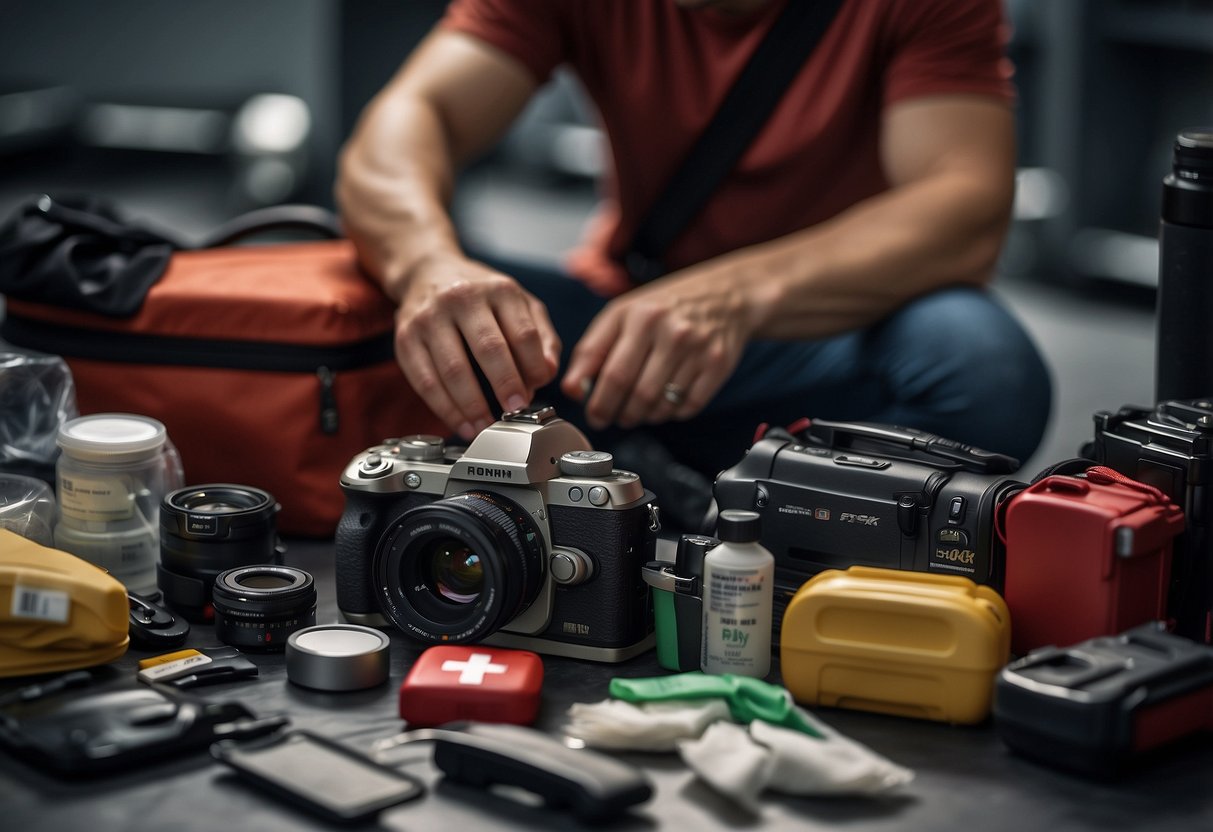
[(738, 585)]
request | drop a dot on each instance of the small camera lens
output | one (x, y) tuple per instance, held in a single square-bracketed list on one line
[(456, 571), (258, 607), (460, 568), (206, 530)]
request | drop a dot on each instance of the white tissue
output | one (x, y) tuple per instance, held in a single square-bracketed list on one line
[(652, 726)]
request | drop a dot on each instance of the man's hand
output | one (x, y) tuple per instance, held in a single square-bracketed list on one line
[(662, 351), (452, 305)]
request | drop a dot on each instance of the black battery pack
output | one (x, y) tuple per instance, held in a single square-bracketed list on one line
[(1097, 707)]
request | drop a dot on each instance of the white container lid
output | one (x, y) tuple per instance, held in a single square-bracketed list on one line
[(112, 437)]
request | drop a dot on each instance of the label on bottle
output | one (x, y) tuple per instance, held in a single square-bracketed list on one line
[(737, 622), (95, 499)]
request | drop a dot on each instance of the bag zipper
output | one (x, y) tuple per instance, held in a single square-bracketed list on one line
[(329, 422), (170, 350)]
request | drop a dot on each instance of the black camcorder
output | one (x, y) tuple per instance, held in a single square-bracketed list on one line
[(841, 494)]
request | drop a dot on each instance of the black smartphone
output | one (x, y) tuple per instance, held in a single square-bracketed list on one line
[(319, 774)]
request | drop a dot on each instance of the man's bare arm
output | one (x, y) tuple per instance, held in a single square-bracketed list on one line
[(452, 99), (950, 164)]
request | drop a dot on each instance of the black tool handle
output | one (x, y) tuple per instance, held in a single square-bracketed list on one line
[(593, 786)]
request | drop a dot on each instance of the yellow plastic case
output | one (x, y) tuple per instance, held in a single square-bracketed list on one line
[(57, 612), (894, 642)]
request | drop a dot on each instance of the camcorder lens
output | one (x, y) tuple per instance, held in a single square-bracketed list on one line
[(259, 607), (457, 573), (209, 529), (458, 569)]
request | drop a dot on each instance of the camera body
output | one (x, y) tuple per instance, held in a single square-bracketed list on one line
[(846, 494), (1171, 448), (528, 538)]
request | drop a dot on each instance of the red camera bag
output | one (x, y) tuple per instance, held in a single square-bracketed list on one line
[(1086, 557), (270, 366)]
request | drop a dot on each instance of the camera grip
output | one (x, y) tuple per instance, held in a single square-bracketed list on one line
[(358, 532)]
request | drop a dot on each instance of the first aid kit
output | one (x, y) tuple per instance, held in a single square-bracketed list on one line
[(454, 682)]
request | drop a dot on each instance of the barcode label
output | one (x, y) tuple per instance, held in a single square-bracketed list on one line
[(41, 604)]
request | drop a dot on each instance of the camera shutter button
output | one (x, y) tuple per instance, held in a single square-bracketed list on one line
[(373, 466), (587, 464)]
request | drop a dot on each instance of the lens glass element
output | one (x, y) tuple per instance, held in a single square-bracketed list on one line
[(258, 580), (456, 572), (216, 507)]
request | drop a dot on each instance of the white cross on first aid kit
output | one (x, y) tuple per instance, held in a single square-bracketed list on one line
[(473, 671)]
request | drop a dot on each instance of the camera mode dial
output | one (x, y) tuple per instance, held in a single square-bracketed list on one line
[(587, 464), (421, 447)]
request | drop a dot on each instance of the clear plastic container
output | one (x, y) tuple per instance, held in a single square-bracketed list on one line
[(27, 507), (113, 472)]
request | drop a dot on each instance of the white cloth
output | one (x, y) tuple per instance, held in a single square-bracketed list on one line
[(739, 761), (740, 764), (653, 726)]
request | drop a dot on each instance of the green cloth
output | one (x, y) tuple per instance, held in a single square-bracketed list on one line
[(748, 698)]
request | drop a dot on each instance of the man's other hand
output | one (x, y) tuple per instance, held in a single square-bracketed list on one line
[(662, 351)]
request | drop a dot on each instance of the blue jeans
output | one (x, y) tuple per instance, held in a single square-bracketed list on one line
[(953, 362)]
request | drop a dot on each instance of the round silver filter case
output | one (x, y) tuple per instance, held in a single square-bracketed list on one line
[(337, 657)]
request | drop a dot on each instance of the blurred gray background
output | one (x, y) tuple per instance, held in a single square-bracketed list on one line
[(189, 113)]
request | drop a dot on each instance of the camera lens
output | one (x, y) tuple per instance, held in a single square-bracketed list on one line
[(455, 571), (458, 569), (208, 529), (258, 607)]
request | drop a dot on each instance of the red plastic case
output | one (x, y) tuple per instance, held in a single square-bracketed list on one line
[(1086, 557), (454, 682)]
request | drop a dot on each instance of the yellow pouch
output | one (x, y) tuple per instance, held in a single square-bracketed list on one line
[(57, 612), (895, 642)]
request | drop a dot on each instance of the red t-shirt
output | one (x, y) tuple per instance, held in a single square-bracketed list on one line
[(657, 73)]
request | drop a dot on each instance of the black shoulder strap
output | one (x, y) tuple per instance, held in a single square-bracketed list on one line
[(746, 107)]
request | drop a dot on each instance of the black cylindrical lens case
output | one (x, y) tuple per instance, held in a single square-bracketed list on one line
[(259, 607)]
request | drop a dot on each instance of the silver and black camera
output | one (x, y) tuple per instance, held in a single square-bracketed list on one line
[(528, 538)]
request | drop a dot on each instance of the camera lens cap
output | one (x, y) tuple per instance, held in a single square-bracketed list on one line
[(337, 657)]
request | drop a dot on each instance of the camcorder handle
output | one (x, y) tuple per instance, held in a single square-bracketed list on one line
[(920, 443)]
